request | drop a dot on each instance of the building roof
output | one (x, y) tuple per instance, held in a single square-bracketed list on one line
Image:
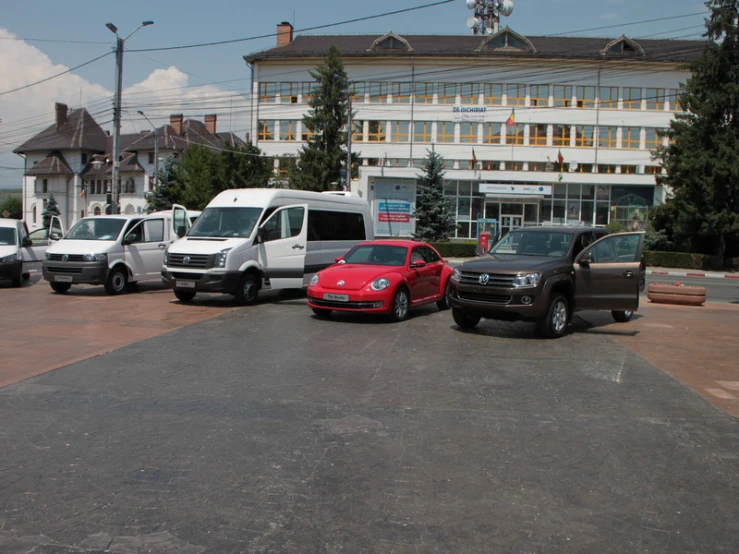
[(80, 131), (193, 132), (481, 47), (53, 164), (129, 164)]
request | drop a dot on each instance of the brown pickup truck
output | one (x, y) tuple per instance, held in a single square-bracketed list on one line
[(544, 274)]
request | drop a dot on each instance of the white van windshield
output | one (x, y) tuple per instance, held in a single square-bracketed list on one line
[(225, 222), (7, 236), (103, 228)]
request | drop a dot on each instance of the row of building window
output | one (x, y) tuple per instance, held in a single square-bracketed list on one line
[(486, 94), (533, 134)]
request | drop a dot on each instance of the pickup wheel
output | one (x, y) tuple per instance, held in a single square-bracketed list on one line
[(443, 304), (184, 295), (465, 320), (622, 316), (554, 325), (117, 281), (246, 293), (60, 288)]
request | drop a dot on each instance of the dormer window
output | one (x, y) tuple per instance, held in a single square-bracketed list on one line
[(507, 40), (623, 47), (391, 43), (83, 158)]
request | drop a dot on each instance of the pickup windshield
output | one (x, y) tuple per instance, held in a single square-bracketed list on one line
[(534, 243), (103, 228), (225, 222)]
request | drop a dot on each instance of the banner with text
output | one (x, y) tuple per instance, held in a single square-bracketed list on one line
[(538, 190), (393, 209)]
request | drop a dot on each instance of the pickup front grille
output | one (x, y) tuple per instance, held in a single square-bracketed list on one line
[(194, 261), (70, 257), (484, 298), (496, 279)]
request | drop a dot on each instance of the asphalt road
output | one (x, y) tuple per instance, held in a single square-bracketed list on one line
[(724, 291), (267, 430)]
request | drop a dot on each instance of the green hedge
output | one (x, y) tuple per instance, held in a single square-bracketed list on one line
[(455, 249), (682, 260)]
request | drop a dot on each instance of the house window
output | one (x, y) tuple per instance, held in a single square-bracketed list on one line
[(358, 90), (656, 99), (45, 189), (83, 158), (514, 166), (585, 97), (491, 133), (469, 93), (266, 129), (45, 203), (516, 95), (288, 130), (445, 131), (489, 165), (607, 137), (538, 135), (584, 168), (562, 96), (358, 131), (377, 131), (468, 132), (608, 99), (421, 131), (493, 94), (97, 211), (653, 138), (306, 134), (151, 158), (514, 134), (628, 169), (674, 98), (267, 93), (561, 135), (539, 95), (401, 93), (631, 138), (33, 214), (652, 170), (401, 131), (602, 168), (584, 136), (378, 93), (632, 98), (424, 93), (447, 93), (289, 93), (306, 90)]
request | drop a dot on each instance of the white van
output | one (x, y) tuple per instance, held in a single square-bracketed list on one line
[(19, 256), (113, 250), (251, 239)]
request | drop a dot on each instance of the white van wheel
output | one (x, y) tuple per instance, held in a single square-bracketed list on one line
[(246, 293), (117, 281)]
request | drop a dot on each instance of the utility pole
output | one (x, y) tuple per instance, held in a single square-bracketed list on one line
[(114, 208), (348, 182)]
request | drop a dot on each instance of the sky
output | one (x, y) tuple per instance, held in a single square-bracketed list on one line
[(42, 38)]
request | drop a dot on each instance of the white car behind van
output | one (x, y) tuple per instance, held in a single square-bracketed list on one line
[(19, 257), (247, 240)]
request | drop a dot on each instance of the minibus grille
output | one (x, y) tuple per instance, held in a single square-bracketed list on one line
[(190, 261), (69, 257)]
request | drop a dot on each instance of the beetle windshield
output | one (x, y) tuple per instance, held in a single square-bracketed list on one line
[(534, 243), (225, 222), (94, 228), (376, 254)]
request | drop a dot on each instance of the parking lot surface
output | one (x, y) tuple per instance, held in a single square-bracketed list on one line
[(264, 429)]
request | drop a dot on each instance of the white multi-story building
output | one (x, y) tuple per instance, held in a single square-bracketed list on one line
[(71, 159), (531, 129)]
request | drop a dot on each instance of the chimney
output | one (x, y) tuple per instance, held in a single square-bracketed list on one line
[(61, 114), (210, 123), (284, 34), (176, 122)]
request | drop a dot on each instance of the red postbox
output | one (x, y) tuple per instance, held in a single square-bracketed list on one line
[(483, 241)]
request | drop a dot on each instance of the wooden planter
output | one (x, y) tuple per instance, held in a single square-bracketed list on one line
[(662, 293)]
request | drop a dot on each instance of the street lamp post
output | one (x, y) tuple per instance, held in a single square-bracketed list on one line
[(156, 148), (119, 44)]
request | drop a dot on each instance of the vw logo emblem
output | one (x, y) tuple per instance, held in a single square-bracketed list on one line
[(65, 258), (340, 283), (186, 260), (484, 278)]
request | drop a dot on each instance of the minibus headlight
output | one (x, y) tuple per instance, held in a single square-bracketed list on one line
[(221, 257), (95, 257), (314, 280)]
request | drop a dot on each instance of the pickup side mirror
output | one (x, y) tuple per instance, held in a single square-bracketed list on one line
[(418, 263), (27, 242), (585, 259)]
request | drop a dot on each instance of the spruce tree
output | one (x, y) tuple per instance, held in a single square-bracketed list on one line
[(52, 209), (434, 212), (320, 161), (701, 161)]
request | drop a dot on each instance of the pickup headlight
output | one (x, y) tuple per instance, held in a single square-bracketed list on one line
[(10, 259), (47, 255), (456, 275), (380, 284), (314, 280), (221, 257), (526, 280), (95, 257)]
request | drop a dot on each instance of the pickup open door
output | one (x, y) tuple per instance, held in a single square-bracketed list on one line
[(609, 273), (283, 239)]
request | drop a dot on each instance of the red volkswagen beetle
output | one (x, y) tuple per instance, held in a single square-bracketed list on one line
[(382, 277)]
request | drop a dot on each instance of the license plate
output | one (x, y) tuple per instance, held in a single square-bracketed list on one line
[(336, 297), (63, 278), (185, 284)]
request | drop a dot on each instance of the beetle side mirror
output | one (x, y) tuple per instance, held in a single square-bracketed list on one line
[(337, 259), (418, 263)]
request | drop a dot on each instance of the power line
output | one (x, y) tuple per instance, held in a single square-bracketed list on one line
[(60, 41), (625, 24)]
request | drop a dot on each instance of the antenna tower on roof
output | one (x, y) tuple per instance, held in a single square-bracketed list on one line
[(486, 20)]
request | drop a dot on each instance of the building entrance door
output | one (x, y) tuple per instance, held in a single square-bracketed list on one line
[(510, 222), (512, 215)]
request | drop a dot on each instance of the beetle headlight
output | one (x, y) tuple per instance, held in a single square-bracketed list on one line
[(526, 280), (95, 257), (380, 284), (314, 280), (456, 275), (221, 257)]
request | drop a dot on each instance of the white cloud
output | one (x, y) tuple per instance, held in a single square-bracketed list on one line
[(610, 16)]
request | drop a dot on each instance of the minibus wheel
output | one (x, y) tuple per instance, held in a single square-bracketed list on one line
[(246, 293)]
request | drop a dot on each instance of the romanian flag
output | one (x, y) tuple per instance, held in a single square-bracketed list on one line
[(560, 158), (83, 191), (511, 119), (474, 158)]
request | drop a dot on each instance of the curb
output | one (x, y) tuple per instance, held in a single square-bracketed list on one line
[(677, 273)]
